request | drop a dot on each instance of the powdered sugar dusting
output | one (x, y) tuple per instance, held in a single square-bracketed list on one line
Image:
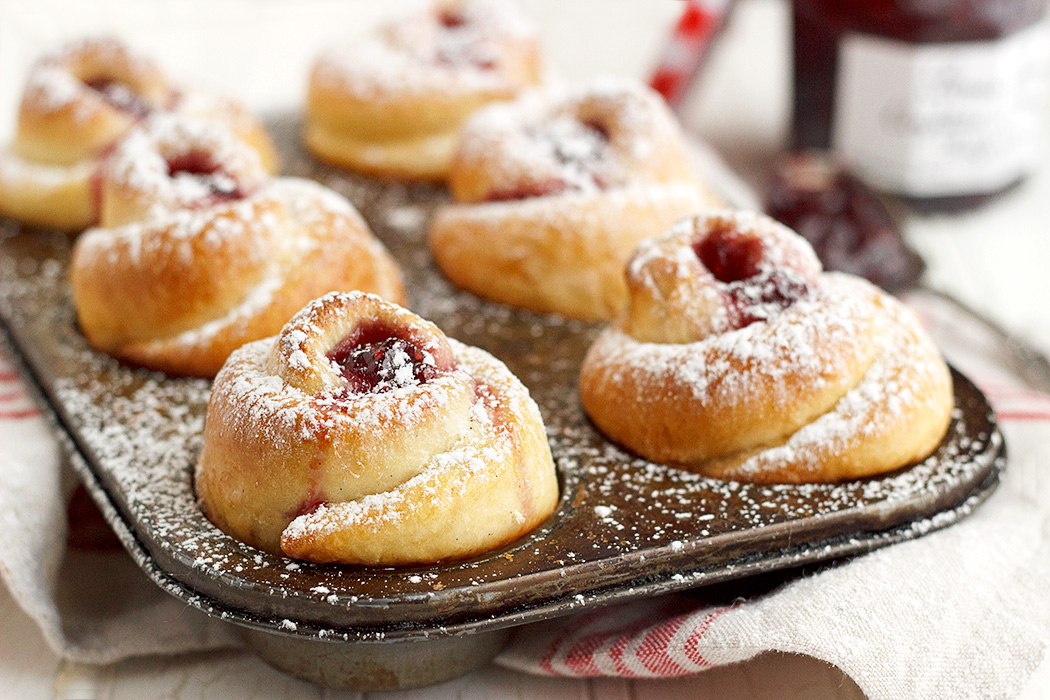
[(574, 208), (52, 86), (596, 138), (143, 432), (19, 172), (266, 397), (889, 390), (50, 89), (141, 162), (458, 466), (421, 54), (726, 367), (264, 226)]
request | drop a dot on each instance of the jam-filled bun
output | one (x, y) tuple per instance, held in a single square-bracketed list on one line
[(552, 197), (77, 104), (739, 358), (391, 105), (199, 251), (362, 435)]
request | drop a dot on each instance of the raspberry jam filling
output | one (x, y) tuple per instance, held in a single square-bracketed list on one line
[(215, 184), (543, 188), (121, 96), (376, 358), (753, 291), (728, 255), (451, 18), (314, 500), (460, 43)]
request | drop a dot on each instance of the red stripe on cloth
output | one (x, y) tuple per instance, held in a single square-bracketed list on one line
[(998, 386), (12, 395), (1017, 403), (1005, 406), (8, 376), (692, 644), (616, 656), (1013, 401), (19, 415), (581, 659), (1034, 416), (652, 651), (547, 662)]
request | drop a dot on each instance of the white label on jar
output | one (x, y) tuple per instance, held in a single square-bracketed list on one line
[(933, 120)]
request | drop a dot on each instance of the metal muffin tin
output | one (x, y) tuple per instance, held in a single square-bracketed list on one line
[(624, 528)]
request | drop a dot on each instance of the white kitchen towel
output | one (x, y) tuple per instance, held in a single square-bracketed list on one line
[(95, 607), (960, 613)]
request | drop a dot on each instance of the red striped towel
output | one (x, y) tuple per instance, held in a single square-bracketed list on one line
[(14, 401)]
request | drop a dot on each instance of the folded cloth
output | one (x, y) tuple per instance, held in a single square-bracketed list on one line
[(962, 612), (94, 607)]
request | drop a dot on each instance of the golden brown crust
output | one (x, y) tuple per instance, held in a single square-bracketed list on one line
[(552, 198), (195, 104), (560, 254), (439, 469), (392, 105), (62, 120), (841, 383), (896, 415), (730, 391), (78, 102), (175, 282)]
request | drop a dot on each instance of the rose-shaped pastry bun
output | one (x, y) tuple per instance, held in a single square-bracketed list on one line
[(362, 435), (200, 251), (552, 198), (740, 359), (391, 105), (77, 103)]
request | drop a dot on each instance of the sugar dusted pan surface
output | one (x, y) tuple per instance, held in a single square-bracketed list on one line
[(624, 527)]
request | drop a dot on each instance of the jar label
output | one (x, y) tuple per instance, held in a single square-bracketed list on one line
[(933, 120)]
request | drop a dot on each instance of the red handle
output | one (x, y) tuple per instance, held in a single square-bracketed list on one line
[(687, 47)]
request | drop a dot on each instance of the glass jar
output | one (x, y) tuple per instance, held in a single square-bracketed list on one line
[(938, 101)]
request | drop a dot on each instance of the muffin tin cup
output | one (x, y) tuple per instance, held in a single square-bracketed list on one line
[(624, 528)]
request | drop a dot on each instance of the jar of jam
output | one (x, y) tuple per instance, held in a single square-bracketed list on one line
[(939, 101)]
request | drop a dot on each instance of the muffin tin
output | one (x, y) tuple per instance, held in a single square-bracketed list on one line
[(624, 528)]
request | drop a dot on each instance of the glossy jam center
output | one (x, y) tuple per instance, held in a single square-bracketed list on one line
[(374, 360), (752, 292), (761, 297), (728, 255), (451, 19), (121, 96), (207, 173)]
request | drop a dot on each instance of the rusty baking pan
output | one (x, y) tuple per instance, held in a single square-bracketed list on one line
[(624, 528)]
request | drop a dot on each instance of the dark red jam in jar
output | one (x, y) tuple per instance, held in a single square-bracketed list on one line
[(938, 101)]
